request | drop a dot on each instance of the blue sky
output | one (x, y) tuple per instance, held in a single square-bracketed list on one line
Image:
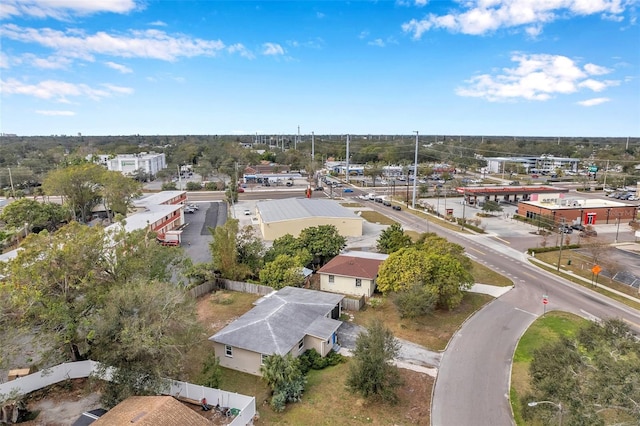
[(490, 67)]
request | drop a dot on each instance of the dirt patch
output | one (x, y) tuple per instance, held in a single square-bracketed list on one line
[(62, 404)]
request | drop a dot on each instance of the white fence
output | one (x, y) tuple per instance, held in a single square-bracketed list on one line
[(81, 369)]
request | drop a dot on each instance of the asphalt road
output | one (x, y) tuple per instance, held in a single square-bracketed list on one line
[(472, 387)]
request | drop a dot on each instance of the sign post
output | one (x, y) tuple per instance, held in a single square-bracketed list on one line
[(595, 271), (545, 301)]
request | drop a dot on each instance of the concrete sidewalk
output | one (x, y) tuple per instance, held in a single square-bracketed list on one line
[(491, 290)]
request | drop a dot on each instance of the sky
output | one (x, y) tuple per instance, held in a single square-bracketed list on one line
[(486, 67)]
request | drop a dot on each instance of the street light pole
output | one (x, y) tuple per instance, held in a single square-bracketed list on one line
[(558, 406), (415, 174), (617, 228), (562, 229)]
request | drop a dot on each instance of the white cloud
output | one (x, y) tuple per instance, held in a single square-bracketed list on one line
[(59, 91), (417, 3), (363, 34), (63, 9), (56, 113), (377, 42), (119, 67), (485, 16), (320, 15), (536, 77), (272, 49), (118, 89), (241, 50), (151, 43), (596, 69), (158, 24), (4, 61), (593, 102)]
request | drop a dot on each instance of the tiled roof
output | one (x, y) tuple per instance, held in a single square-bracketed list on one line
[(151, 411), (352, 266)]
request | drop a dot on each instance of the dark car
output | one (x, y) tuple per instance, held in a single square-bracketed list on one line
[(396, 208), (578, 227), (386, 203), (319, 188)]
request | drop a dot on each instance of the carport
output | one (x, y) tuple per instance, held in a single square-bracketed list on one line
[(519, 193)]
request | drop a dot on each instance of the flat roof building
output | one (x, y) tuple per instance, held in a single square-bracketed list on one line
[(291, 215)]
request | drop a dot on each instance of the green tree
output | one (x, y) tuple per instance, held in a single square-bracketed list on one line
[(169, 186), (594, 374), (284, 376), (491, 206), (35, 215), (211, 374), (374, 171), (143, 331), (323, 242), (443, 275), (250, 249), (415, 301), (194, 186), (79, 185), (283, 271), (393, 239), (118, 192), (371, 372), (224, 251), (290, 245)]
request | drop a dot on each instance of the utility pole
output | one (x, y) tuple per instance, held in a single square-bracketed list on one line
[(562, 225), (604, 184), (13, 191), (347, 170), (415, 174), (313, 148)]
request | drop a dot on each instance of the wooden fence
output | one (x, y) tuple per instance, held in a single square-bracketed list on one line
[(244, 287), (204, 288), (349, 304)]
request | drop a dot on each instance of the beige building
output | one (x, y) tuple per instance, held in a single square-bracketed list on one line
[(289, 321), (291, 215), (352, 273)]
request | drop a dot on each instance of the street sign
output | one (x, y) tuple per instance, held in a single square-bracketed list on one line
[(593, 169), (545, 299), (596, 269)]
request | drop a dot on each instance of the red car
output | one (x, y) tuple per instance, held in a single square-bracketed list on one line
[(240, 189)]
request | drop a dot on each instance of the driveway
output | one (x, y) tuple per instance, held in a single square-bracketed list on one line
[(196, 236), (411, 356)]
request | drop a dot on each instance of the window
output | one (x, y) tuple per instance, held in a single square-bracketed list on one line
[(332, 279), (228, 351), (358, 282), (301, 344), (263, 358)]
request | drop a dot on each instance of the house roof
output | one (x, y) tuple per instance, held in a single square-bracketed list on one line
[(353, 264), (280, 320), (301, 208), (151, 411)]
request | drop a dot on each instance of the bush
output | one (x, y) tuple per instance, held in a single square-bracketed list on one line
[(415, 301), (311, 360), (193, 186)]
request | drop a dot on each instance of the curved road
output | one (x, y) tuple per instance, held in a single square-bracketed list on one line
[(472, 387)]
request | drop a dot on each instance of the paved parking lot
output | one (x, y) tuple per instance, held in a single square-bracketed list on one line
[(196, 236)]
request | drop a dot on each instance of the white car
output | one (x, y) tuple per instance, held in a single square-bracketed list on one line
[(247, 212)]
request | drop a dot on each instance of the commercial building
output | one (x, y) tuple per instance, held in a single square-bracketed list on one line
[(130, 164), (575, 210), (291, 215), (533, 164)]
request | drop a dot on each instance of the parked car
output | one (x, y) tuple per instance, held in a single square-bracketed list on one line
[(319, 188), (189, 210), (247, 212), (193, 206), (240, 190), (395, 207), (289, 183), (565, 228), (386, 203), (578, 227), (347, 190)]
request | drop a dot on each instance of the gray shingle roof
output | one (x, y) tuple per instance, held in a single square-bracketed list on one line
[(301, 208), (280, 320)]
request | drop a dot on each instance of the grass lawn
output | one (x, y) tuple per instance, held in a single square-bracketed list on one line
[(581, 266), (351, 204), (375, 217), (543, 330), (483, 275), (326, 400), (433, 331)]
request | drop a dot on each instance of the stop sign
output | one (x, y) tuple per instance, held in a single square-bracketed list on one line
[(545, 301)]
